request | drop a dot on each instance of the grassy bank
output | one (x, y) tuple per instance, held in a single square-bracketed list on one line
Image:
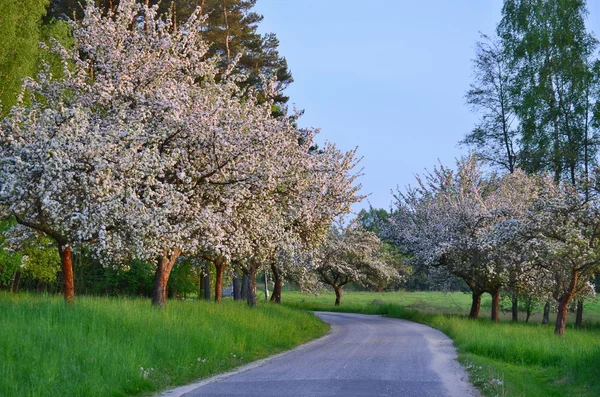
[(122, 347), (504, 359)]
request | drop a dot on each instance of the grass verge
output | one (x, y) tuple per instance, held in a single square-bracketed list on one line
[(504, 359), (124, 347)]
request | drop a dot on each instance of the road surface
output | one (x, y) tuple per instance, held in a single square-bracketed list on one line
[(362, 356)]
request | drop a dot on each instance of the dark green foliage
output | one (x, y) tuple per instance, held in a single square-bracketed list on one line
[(184, 279), (134, 278), (34, 266), (10, 261), (373, 219)]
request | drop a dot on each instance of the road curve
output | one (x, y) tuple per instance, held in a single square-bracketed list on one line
[(363, 356)]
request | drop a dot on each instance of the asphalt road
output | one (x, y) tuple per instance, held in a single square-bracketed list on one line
[(362, 356)]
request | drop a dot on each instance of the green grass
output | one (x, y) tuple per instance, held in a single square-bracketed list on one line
[(122, 347), (503, 359)]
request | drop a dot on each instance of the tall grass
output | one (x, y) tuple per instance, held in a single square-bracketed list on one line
[(121, 347), (513, 359)]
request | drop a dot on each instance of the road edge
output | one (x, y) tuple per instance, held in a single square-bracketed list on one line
[(181, 390)]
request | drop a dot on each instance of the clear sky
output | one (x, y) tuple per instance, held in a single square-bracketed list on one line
[(388, 76)]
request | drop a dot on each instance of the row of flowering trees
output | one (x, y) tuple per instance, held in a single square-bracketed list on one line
[(525, 233), (142, 148)]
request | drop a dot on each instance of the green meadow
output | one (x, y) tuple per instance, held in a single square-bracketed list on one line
[(125, 347)]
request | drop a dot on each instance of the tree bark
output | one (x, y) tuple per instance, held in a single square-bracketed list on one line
[(220, 266), (14, 285), (237, 288), (579, 316), (496, 306), (161, 277), (253, 268), (206, 282), (266, 286), (475, 305), (201, 284), (245, 286), (529, 309), (338, 294), (546, 317), (561, 317), (276, 296), (227, 50), (515, 307), (66, 263)]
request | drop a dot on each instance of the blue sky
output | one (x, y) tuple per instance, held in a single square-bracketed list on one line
[(388, 76)]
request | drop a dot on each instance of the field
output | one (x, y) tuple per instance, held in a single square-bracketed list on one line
[(123, 347), (503, 359)]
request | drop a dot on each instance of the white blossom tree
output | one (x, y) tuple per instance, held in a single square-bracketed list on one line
[(442, 222), (56, 160), (349, 254), (562, 232), (143, 149), (449, 223), (295, 215)]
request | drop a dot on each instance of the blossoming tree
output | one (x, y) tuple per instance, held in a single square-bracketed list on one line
[(449, 223), (351, 254), (562, 233), (143, 148)]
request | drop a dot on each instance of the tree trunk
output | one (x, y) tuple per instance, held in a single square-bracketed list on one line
[(253, 268), (14, 286), (561, 317), (266, 286), (338, 294), (579, 316), (276, 296), (66, 263), (546, 317), (227, 50), (220, 266), (174, 15), (200, 284), (245, 286), (237, 288), (529, 309), (475, 305), (496, 306), (161, 277), (515, 307), (206, 282)]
